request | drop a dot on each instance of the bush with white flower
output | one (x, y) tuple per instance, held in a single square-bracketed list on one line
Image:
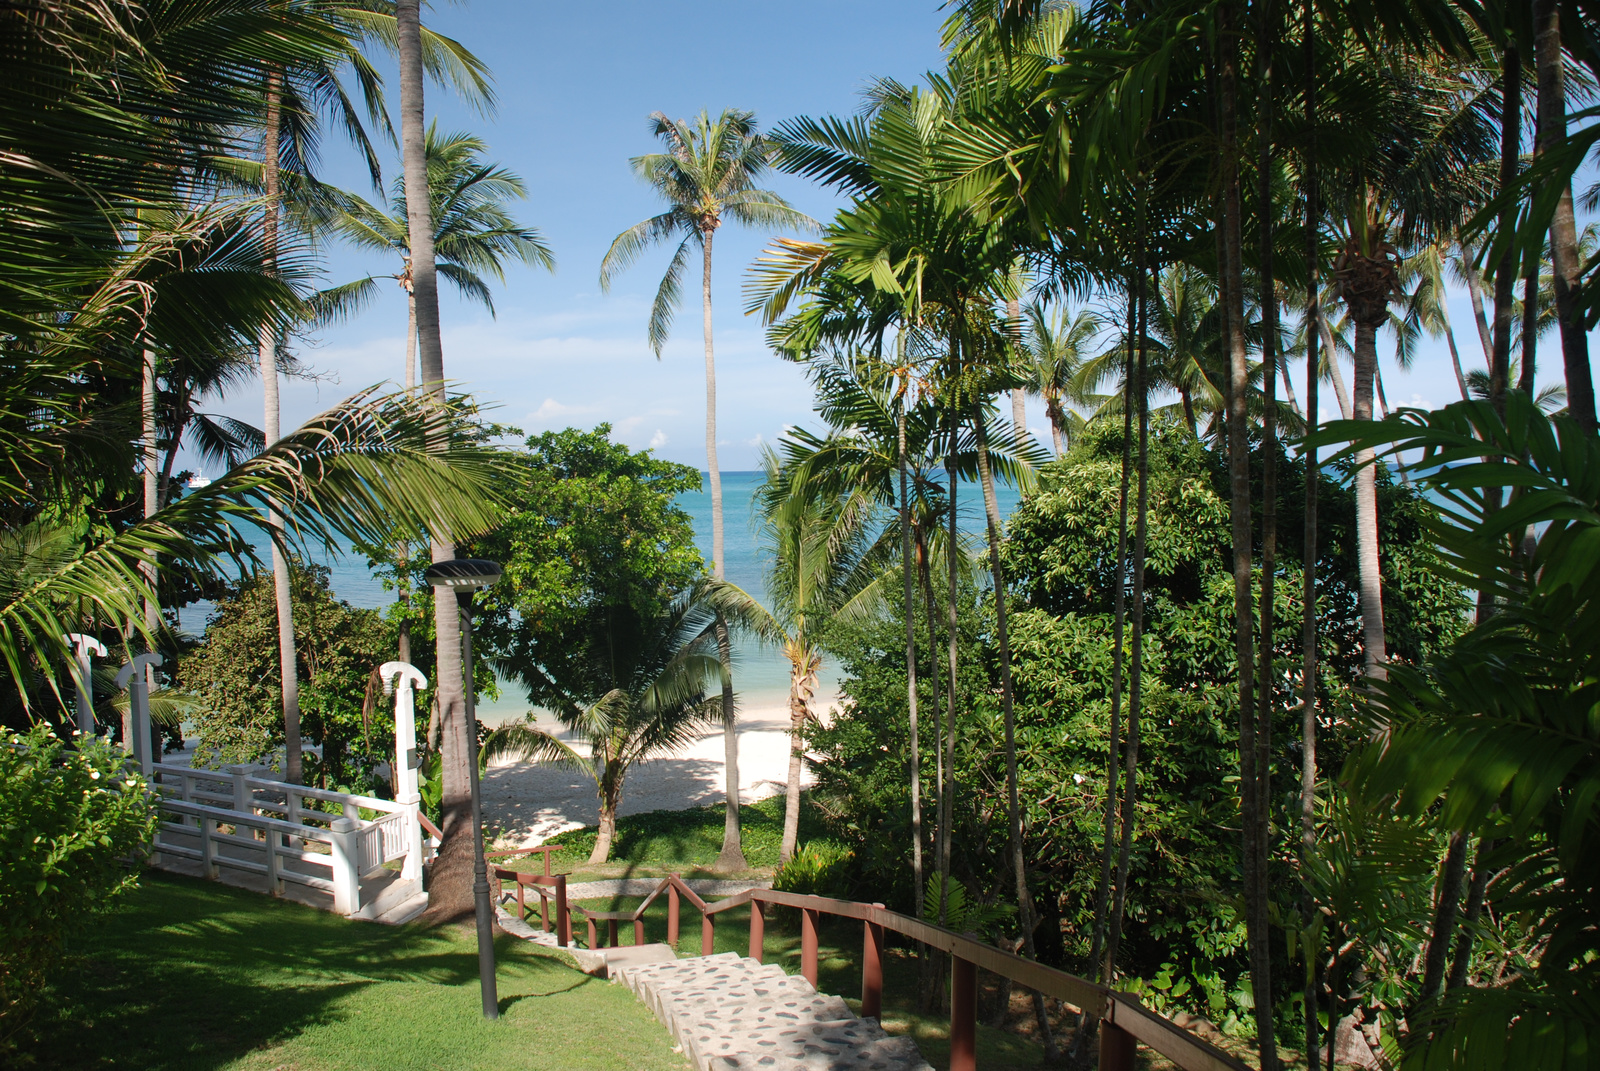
[(72, 827)]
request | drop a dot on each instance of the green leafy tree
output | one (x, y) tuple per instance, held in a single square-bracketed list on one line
[(232, 675)]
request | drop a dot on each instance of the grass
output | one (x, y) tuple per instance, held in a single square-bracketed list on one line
[(657, 843), (193, 975)]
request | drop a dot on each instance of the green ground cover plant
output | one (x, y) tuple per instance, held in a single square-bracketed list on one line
[(194, 976)]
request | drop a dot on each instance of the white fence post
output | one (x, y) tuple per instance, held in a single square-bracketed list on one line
[(131, 677), (407, 678), (346, 865), (208, 847), (242, 798)]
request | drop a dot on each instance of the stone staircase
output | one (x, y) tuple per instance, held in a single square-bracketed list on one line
[(730, 1013)]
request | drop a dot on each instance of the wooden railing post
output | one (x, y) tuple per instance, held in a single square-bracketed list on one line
[(611, 934), (708, 934), (871, 970), (808, 943), (594, 937), (522, 902), (963, 1015), (563, 913), (638, 932), (544, 913), (758, 930), (672, 916), (1117, 1048)]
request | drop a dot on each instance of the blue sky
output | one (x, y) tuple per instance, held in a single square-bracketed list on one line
[(576, 83)]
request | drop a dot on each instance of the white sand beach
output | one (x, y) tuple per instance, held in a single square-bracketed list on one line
[(530, 802)]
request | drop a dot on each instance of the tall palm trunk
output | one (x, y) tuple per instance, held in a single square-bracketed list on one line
[(450, 883), (1099, 964), (1026, 915), (1232, 285), (803, 664), (411, 339), (152, 503), (911, 662), (1340, 392), (1141, 400), (732, 855), (1366, 487), (1267, 33), (941, 833), (1308, 595), (953, 637), (267, 347), (1566, 263)]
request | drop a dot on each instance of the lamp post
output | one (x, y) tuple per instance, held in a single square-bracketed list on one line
[(465, 576)]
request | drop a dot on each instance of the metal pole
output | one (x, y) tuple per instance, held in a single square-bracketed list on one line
[(480, 869)]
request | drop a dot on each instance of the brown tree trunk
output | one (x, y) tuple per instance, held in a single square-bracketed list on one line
[(606, 832), (1308, 591), (1566, 263), (1366, 487), (1505, 270), (1239, 480), (731, 857), (909, 585), (267, 347), (1447, 899), (450, 882)]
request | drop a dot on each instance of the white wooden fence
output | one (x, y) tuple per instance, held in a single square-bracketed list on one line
[(238, 820)]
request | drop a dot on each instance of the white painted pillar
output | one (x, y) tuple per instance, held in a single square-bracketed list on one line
[(132, 677), (346, 861), (85, 646), (406, 678)]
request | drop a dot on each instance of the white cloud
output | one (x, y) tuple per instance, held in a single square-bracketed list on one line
[(757, 441), (551, 409), (658, 440)]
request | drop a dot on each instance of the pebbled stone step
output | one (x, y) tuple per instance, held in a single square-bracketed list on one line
[(729, 1013)]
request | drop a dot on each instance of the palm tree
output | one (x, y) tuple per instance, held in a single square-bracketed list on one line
[(474, 234), (1054, 349), (450, 886), (825, 563), (662, 671), (709, 171)]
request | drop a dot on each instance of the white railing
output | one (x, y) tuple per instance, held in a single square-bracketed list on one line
[(286, 833)]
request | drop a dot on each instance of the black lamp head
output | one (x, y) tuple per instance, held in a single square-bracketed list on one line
[(463, 574)]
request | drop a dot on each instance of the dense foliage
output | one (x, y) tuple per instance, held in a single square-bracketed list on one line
[(1184, 925), (233, 675), (72, 828)]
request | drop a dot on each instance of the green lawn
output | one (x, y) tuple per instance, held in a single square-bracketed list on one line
[(686, 842), (194, 975)]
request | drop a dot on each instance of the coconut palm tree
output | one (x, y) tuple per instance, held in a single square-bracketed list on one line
[(825, 563), (708, 171), (662, 676), (1054, 349), (474, 233)]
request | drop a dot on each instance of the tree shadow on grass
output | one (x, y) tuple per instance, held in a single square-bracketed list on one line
[(188, 974)]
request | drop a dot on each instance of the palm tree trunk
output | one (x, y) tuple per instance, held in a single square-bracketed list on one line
[(1141, 402), (953, 626), (1257, 934), (1481, 872), (1101, 966), (1053, 411), (606, 831), (267, 347), (1026, 916), (1366, 481), (911, 661), (450, 882), (1505, 277), (152, 503), (941, 831), (1566, 263), (411, 340), (732, 854), (1475, 295), (731, 857), (1019, 412), (1455, 356), (1447, 897), (799, 713), (1308, 591), (1340, 392)]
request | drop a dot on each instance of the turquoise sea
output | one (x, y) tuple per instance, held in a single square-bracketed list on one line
[(761, 674)]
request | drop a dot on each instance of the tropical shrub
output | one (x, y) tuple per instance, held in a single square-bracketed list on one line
[(72, 827)]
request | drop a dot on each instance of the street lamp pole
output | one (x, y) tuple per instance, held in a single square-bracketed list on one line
[(465, 576)]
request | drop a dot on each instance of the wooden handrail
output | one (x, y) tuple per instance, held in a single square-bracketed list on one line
[(429, 828)]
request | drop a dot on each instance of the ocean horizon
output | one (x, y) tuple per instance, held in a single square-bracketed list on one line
[(761, 673)]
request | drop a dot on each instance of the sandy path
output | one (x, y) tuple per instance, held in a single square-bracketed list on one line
[(530, 802)]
